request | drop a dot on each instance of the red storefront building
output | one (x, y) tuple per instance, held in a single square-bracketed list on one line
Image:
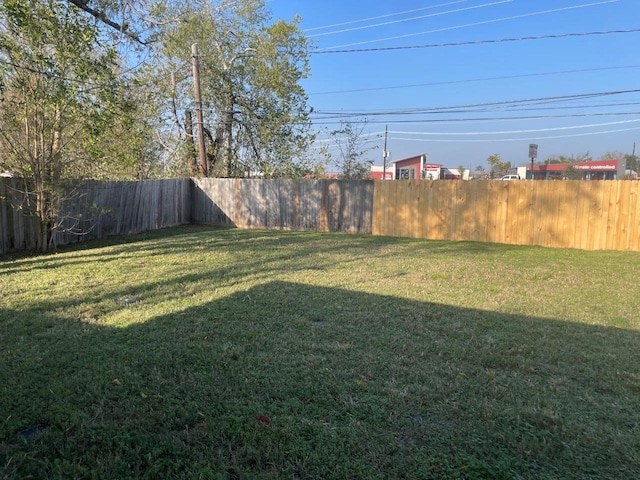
[(595, 170), (417, 168)]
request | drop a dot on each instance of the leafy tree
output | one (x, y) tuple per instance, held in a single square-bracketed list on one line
[(572, 173), (559, 159), (256, 112), (496, 164), (134, 20), (613, 156), (59, 94), (352, 161)]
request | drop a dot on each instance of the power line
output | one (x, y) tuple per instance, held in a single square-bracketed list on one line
[(351, 22), (530, 101), (509, 132), (477, 42), (411, 18), (487, 119), (484, 79), (520, 139), (484, 22)]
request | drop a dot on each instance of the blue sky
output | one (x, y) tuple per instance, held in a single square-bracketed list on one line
[(462, 103)]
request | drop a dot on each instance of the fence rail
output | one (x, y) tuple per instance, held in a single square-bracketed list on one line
[(593, 215)]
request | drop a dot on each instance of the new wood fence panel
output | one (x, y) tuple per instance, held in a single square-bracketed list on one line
[(634, 214), (380, 206), (612, 214), (426, 195), (493, 224), (437, 219), (520, 213), (622, 240), (570, 214), (581, 203), (478, 213), (553, 225)]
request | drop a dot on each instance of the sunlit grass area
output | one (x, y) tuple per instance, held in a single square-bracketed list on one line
[(210, 353)]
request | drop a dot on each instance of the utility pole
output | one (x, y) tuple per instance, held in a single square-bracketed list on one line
[(228, 123), (385, 154), (202, 149)]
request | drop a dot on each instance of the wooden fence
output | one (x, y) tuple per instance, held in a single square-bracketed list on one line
[(593, 215), (596, 215), (317, 205), (100, 209)]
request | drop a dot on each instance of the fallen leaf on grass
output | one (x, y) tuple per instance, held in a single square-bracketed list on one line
[(264, 419)]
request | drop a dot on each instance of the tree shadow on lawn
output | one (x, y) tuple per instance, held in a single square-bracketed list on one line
[(286, 380)]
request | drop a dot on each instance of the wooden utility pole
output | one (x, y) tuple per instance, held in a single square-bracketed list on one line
[(192, 158), (385, 154), (202, 149)]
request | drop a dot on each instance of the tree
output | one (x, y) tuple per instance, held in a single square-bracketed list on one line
[(352, 161), (256, 112), (497, 165), (613, 156), (560, 159), (59, 94), (135, 20), (572, 173)]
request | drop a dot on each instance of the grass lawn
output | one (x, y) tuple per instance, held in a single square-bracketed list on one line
[(226, 354)]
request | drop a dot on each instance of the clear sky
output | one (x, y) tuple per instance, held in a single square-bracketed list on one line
[(576, 91)]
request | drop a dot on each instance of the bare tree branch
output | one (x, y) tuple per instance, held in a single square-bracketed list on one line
[(102, 16)]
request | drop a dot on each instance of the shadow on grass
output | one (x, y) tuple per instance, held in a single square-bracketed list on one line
[(184, 237), (290, 381)]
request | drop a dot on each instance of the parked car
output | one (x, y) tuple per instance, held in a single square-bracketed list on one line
[(511, 177)]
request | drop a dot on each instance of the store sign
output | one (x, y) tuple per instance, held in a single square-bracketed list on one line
[(533, 150), (613, 166)]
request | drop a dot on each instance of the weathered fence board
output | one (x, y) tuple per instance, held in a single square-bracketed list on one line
[(98, 210), (18, 227), (325, 205)]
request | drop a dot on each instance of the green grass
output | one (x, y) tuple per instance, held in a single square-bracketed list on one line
[(228, 354)]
